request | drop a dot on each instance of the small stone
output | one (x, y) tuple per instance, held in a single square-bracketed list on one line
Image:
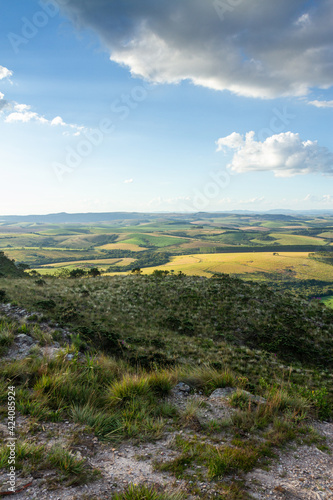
[(183, 387), (23, 339), (222, 393)]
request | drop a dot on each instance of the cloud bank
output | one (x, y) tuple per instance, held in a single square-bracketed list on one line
[(284, 154), (21, 113), (254, 48)]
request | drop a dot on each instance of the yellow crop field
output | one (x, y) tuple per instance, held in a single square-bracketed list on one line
[(296, 263)]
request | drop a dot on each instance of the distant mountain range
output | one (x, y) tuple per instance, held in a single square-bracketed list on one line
[(63, 218)]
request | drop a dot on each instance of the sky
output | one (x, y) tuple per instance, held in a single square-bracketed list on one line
[(165, 105)]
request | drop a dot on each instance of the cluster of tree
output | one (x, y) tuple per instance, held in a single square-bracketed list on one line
[(312, 231), (107, 254), (307, 288), (158, 273), (78, 273), (144, 259), (41, 260), (325, 257), (255, 248)]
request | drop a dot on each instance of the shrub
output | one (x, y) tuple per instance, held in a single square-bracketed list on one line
[(77, 273)]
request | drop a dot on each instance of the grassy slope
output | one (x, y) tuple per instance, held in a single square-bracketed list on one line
[(274, 345), (152, 316), (8, 268)]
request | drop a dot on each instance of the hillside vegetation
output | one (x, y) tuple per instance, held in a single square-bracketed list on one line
[(8, 267), (147, 318), (124, 346), (200, 378)]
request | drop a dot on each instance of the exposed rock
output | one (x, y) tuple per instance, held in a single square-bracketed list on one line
[(182, 387), (255, 399), (23, 339), (226, 392), (222, 393)]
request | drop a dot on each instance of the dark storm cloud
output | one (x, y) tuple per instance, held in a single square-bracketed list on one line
[(257, 48)]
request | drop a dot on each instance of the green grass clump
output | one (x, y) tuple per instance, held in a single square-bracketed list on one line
[(145, 386), (31, 457), (23, 451), (44, 338), (128, 388), (63, 460), (217, 460), (228, 459), (142, 492), (206, 378), (102, 423), (6, 336)]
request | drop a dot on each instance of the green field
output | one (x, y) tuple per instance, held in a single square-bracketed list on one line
[(295, 239), (107, 352), (326, 235), (328, 301), (190, 243), (147, 240)]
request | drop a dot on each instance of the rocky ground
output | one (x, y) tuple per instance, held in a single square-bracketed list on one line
[(303, 472)]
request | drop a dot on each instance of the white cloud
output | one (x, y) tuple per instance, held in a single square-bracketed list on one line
[(252, 201), (161, 203), (128, 181), (24, 117), (284, 154), (58, 121), (259, 49), (21, 107), (303, 20), (5, 73), (21, 113), (3, 102), (325, 198), (321, 104)]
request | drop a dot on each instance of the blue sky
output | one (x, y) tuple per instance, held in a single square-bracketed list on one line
[(165, 106)]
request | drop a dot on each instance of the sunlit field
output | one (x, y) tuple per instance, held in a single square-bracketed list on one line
[(295, 264)]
